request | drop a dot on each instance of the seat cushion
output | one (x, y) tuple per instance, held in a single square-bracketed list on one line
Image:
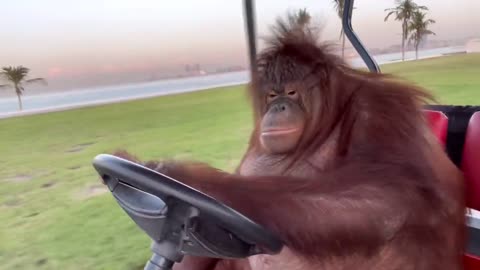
[(471, 161), (438, 122), (471, 169), (471, 262)]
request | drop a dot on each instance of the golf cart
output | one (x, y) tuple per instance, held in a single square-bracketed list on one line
[(183, 221)]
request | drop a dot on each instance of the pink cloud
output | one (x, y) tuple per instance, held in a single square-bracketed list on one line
[(55, 72)]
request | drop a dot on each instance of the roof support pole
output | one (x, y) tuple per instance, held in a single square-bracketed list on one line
[(352, 37), (249, 18)]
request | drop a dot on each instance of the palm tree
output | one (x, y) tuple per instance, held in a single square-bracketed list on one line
[(300, 18), (303, 17), (404, 12), (300, 21), (16, 78), (339, 6), (418, 27)]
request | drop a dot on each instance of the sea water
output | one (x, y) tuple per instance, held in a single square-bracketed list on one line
[(99, 95)]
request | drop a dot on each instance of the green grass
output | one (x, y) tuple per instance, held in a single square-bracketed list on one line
[(453, 79), (50, 219)]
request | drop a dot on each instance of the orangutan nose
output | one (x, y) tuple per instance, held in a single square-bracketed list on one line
[(280, 107)]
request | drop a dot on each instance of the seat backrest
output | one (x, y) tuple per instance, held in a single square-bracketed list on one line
[(471, 262), (470, 164), (471, 161), (438, 122)]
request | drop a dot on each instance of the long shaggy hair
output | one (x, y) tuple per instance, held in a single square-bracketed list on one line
[(335, 93)]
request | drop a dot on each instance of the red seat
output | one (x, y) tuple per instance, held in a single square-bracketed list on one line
[(471, 161), (471, 169), (438, 122), (471, 262), (470, 166)]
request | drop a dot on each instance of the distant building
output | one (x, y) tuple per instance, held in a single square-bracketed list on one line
[(194, 70), (473, 46), (229, 69)]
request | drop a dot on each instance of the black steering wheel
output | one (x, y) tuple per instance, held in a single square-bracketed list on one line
[(179, 219)]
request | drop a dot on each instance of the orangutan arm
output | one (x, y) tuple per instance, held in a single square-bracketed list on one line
[(344, 211)]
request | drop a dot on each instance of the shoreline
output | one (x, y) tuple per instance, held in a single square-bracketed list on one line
[(81, 105), (107, 101)]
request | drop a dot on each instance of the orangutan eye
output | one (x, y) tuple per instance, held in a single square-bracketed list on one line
[(272, 95), (292, 93)]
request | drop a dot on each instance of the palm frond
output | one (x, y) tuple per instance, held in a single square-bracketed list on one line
[(339, 6), (15, 74), (428, 32), (303, 17), (389, 14), (37, 80), (422, 7)]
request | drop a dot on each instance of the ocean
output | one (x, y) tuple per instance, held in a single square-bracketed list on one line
[(100, 95)]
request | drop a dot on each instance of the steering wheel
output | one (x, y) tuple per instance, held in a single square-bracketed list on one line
[(179, 219)]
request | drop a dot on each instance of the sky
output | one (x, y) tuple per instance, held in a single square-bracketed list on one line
[(91, 42)]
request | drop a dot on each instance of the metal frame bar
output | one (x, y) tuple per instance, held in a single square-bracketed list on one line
[(249, 18), (352, 37)]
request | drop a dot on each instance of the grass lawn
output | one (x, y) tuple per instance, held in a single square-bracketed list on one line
[(453, 79), (54, 212)]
